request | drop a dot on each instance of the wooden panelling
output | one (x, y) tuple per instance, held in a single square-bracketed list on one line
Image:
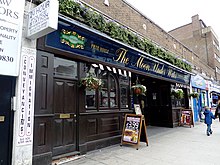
[(92, 129), (58, 96), (44, 62), (70, 102), (42, 135), (103, 126), (44, 83), (58, 132), (69, 134), (109, 124), (102, 130), (176, 116)]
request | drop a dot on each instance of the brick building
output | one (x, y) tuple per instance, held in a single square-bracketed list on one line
[(202, 40)]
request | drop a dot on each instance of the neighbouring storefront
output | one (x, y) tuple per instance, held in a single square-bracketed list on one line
[(10, 52), (70, 118), (199, 86), (214, 91)]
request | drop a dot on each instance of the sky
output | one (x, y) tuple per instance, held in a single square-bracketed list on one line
[(170, 14)]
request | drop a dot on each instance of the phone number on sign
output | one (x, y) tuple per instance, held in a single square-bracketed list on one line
[(6, 58)]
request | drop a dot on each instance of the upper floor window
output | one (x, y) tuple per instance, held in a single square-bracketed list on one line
[(216, 44), (217, 69), (217, 57)]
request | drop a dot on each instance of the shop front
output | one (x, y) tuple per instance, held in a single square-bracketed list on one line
[(199, 86), (214, 91), (72, 117)]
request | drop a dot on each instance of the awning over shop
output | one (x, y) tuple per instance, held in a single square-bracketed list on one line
[(73, 37)]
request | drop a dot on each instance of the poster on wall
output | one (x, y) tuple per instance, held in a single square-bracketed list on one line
[(11, 21), (26, 96), (137, 109)]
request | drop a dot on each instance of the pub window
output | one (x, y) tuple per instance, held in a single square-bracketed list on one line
[(108, 96), (65, 68), (91, 94), (90, 99), (124, 96), (108, 93)]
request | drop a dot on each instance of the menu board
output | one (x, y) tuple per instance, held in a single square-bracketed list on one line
[(186, 117), (132, 129)]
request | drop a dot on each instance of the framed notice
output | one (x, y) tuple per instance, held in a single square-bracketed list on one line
[(132, 129), (137, 109)]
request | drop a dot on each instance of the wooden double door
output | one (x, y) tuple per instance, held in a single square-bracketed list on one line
[(55, 122), (65, 117)]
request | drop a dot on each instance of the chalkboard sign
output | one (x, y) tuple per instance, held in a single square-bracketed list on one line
[(132, 129), (186, 117)]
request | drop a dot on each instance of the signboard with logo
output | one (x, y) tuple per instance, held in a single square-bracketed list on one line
[(43, 19), (198, 82), (26, 97), (85, 43), (186, 117), (11, 21)]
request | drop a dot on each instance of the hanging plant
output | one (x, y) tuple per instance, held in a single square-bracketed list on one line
[(194, 95), (91, 82), (139, 89), (177, 93)]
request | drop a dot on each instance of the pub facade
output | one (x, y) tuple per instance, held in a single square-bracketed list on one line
[(71, 119)]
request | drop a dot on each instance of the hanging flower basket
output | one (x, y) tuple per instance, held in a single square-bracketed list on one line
[(194, 95), (139, 89), (177, 93), (91, 82)]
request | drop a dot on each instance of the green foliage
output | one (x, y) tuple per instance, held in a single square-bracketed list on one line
[(177, 93), (194, 95), (91, 82), (95, 20), (142, 88)]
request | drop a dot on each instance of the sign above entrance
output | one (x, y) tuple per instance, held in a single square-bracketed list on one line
[(11, 21), (86, 43), (43, 19), (198, 82)]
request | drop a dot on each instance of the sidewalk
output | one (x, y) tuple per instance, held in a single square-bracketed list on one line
[(167, 146)]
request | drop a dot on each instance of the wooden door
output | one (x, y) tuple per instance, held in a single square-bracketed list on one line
[(64, 125), (6, 120)]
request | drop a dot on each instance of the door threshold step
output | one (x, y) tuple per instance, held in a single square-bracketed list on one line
[(58, 160)]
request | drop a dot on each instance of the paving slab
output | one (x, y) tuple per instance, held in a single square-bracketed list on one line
[(167, 146)]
